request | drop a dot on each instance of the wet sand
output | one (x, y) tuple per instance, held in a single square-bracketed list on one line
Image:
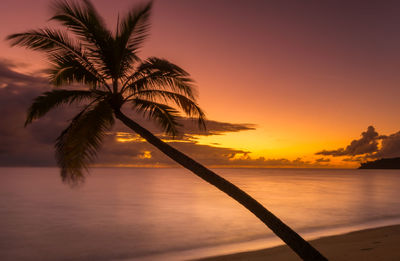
[(371, 244)]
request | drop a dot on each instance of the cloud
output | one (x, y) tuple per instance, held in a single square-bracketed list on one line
[(19, 145), (355, 159), (214, 127), (371, 145), (320, 160), (367, 144), (10, 76), (390, 147), (189, 127)]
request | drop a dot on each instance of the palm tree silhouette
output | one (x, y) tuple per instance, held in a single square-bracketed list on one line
[(106, 63)]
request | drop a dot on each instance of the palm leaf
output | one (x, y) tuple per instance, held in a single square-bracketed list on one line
[(190, 108), (44, 40), (77, 145), (54, 43), (52, 99), (83, 20), (87, 24), (165, 115), (160, 73), (67, 70), (131, 33)]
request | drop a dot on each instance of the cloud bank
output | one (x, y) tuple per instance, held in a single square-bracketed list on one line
[(366, 144)]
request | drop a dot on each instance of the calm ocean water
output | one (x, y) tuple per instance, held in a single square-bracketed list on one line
[(170, 214)]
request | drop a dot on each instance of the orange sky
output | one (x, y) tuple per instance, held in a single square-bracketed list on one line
[(311, 76)]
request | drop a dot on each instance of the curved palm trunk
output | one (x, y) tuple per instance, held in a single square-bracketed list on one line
[(290, 237)]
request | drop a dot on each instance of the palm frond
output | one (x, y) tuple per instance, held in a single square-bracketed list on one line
[(133, 30), (67, 70), (82, 19), (54, 43), (165, 115), (87, 24), (43, 40), (188, 106), (52, 99), (78, 144), (160, 73)]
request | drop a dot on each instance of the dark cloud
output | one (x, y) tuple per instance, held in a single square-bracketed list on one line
[(189, 127), (321, 160), (368, 144), (390, 147), (355, 159), (19, 145), (281, 162), (9, 76), (214, 127)]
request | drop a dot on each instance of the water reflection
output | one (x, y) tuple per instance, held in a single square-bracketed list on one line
[(128, 213)]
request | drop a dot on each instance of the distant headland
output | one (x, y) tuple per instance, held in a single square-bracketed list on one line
[(389, 163)]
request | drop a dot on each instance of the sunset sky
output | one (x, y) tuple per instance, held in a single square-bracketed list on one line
[(283, 83)]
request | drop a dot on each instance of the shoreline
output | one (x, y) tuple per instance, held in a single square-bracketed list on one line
[(380, 243)]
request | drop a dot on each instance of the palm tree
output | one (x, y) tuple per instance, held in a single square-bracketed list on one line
[(86, 54)]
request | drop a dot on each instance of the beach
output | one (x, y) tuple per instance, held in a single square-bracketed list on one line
[(370, 244)]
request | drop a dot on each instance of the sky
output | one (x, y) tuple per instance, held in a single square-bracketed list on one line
[(283, 83)]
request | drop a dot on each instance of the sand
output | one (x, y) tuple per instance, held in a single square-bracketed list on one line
[(378, 244)]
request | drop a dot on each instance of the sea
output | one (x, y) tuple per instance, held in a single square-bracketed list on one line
[(143, 214)]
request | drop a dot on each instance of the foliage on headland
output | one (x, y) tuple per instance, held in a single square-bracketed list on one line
[(387, 163)]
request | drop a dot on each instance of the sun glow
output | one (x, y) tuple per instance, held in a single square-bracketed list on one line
[(259, 146), (146, 155), (127, 137)]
